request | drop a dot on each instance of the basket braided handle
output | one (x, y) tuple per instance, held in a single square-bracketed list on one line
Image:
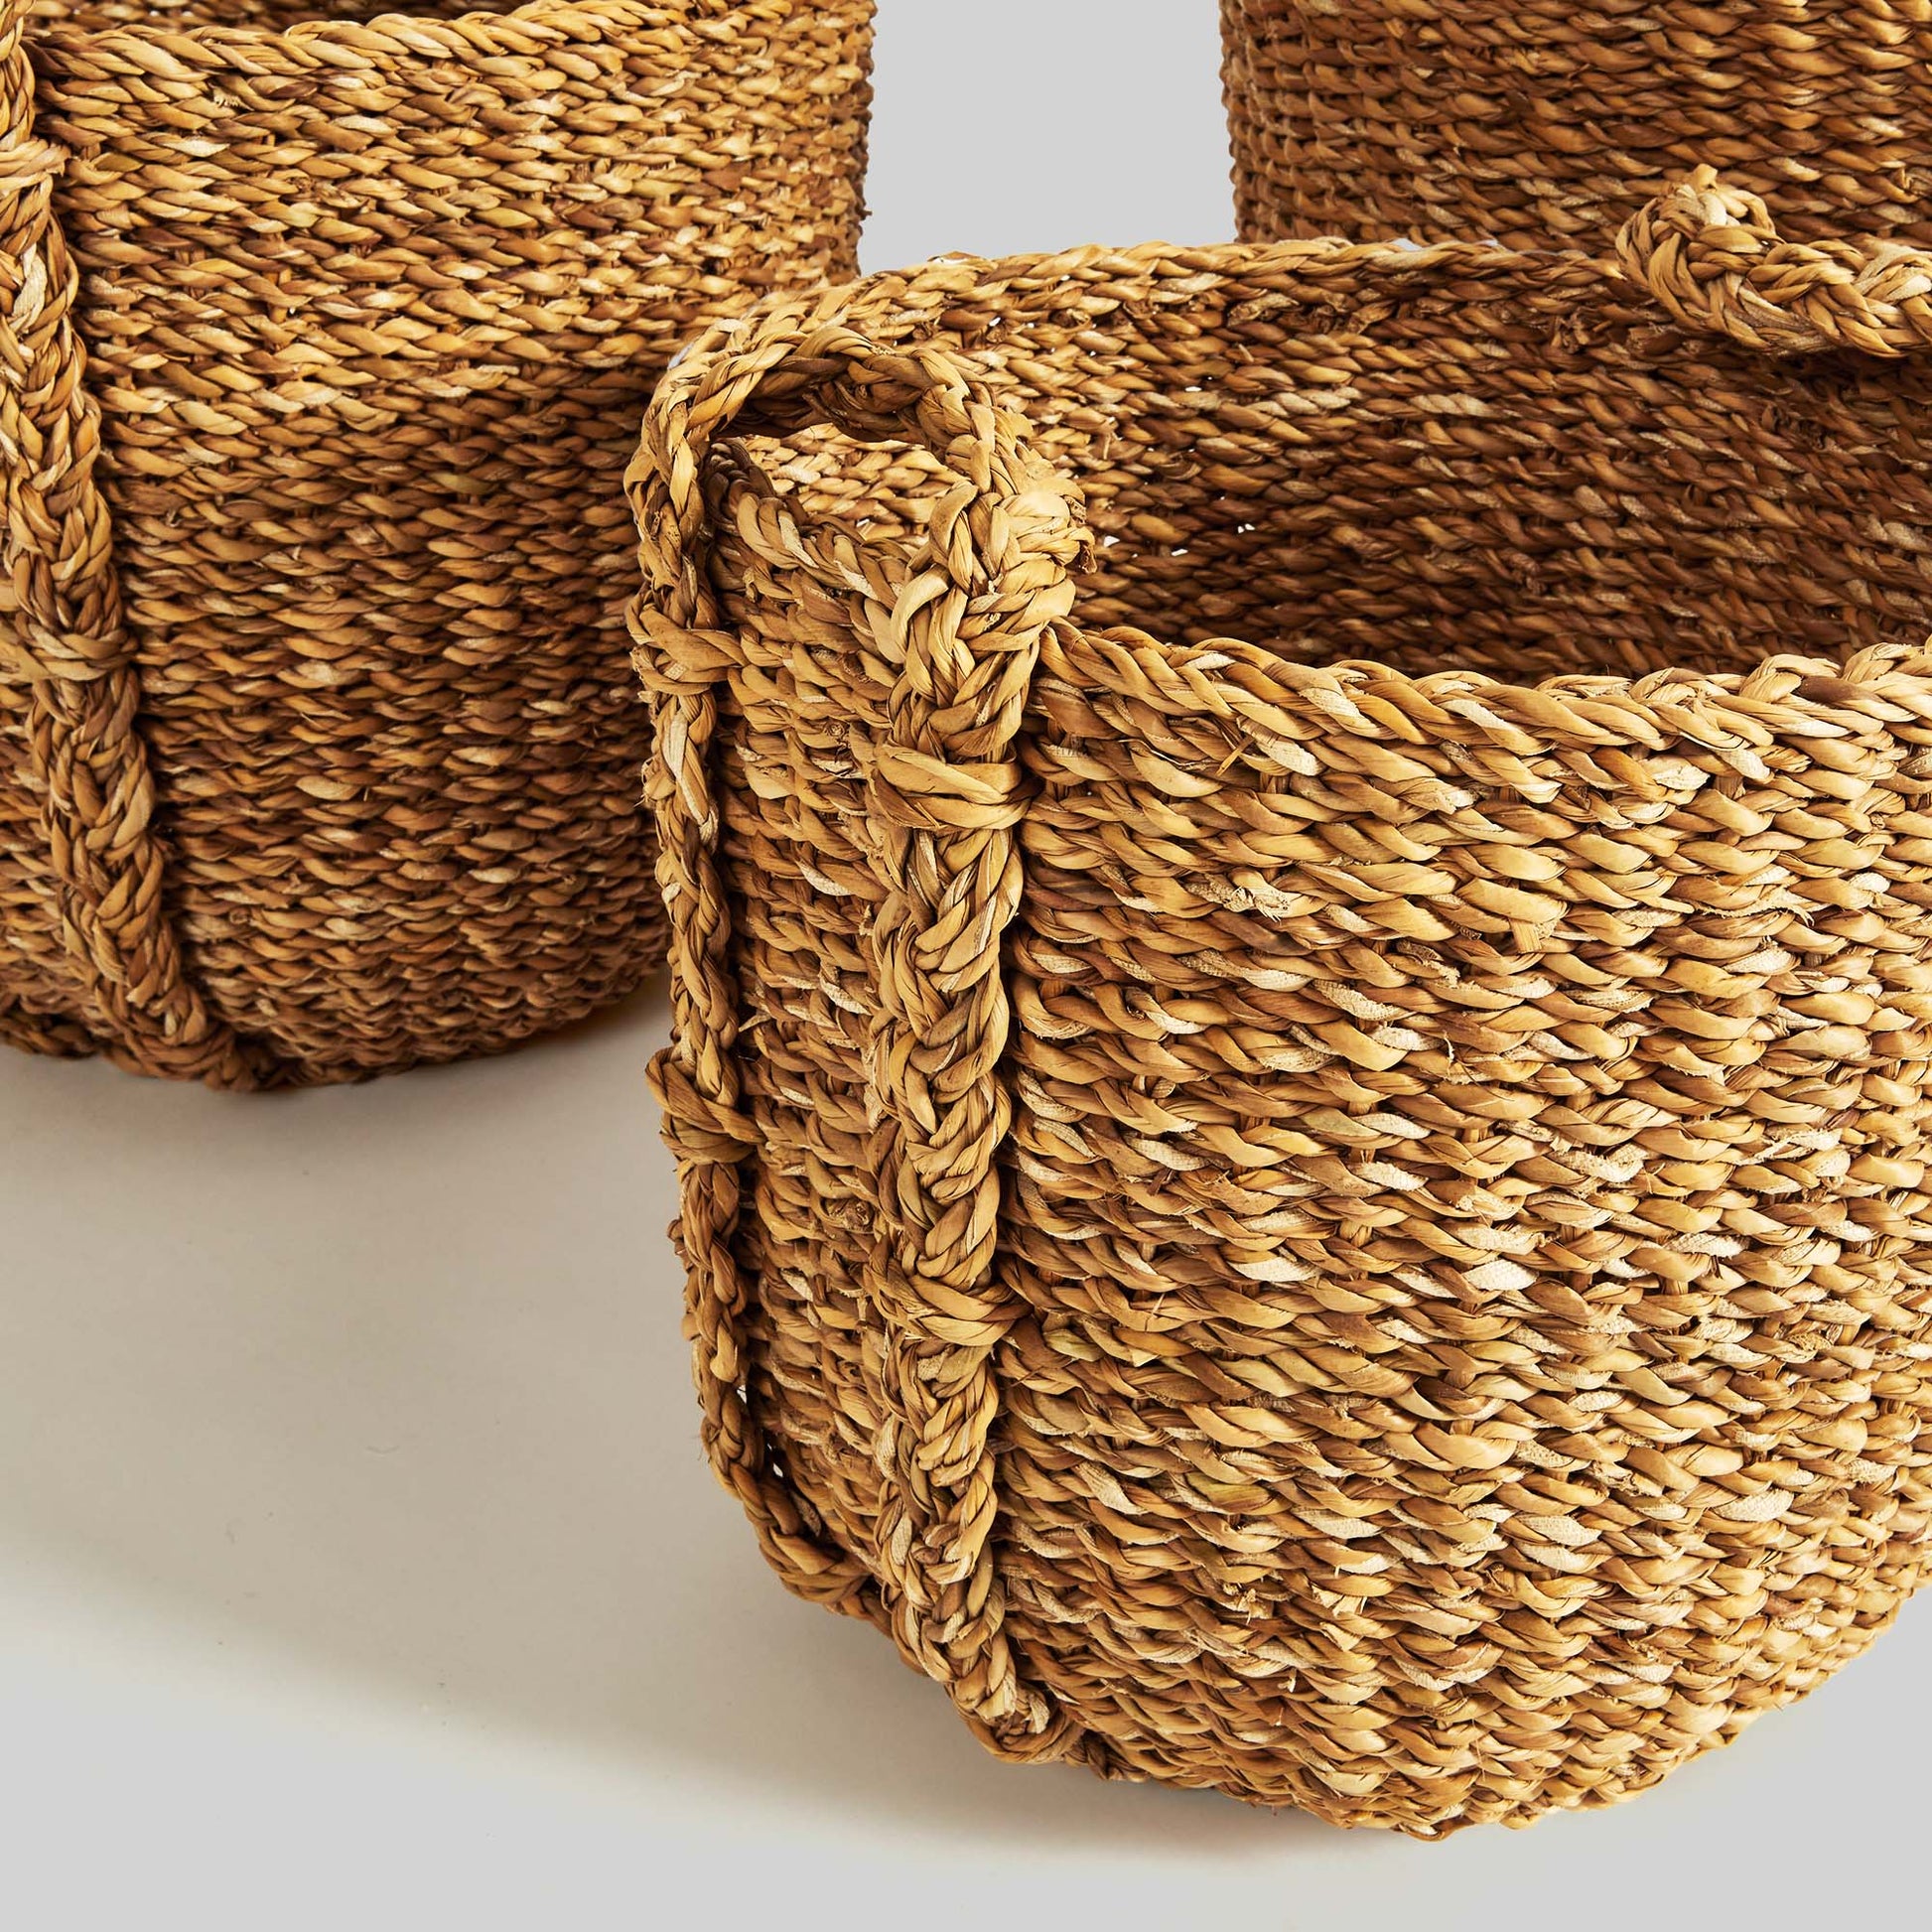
[(61, 637), (1712, 256), (959, 613)]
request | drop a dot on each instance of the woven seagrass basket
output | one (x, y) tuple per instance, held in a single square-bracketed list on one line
[(325, 343), (1530, 119), (1301, 885)]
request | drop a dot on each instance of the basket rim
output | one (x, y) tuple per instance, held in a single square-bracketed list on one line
[(1820, 683), (1192, 258), (400, 32)]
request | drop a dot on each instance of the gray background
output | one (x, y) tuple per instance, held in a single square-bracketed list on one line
[(356, 1563)]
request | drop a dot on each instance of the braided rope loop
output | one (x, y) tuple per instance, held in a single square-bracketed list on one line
[(959, 621), (65, 643), (1713, 257)]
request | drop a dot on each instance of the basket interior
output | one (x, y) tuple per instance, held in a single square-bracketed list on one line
[(1514, 469)]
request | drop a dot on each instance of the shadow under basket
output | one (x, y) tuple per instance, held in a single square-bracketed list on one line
[(1338, 1216), (326, 342)]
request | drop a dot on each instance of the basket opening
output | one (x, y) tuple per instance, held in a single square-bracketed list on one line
[(1511, 469)]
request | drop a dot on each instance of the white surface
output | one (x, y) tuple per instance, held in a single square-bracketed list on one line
[(357, 1566)]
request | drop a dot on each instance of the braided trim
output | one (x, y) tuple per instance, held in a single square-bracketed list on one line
[(696, 1077), (66, 644), (1713, 257), (967, 611)]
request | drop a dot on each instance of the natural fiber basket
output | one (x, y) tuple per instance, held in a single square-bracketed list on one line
[(324, 345), (1441, 119), (1339, 1215)]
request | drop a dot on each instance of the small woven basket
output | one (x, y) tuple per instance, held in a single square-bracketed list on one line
[(1528, 119), (1339, 1216), (324, 347)]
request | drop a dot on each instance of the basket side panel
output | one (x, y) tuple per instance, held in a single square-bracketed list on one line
[(372, 334), (1469, 1185), (1539, 123)]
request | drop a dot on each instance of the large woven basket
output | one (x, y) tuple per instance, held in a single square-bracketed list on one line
[(1448, 118), (1339, 1215), (324, 347)]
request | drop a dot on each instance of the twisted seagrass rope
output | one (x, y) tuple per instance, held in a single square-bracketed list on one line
[(1712, 256), (1458, 1346), (66, 643), (961, 627), (1542, 124)]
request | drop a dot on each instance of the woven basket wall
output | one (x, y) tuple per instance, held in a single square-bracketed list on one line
[(1443, 119), (1301, 885), (325, 345)]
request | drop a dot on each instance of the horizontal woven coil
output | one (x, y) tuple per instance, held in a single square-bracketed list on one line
[(1528, 121)]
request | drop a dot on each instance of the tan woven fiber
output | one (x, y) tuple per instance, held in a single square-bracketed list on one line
[(1338, 1216), (1532, 119), (324, 347)]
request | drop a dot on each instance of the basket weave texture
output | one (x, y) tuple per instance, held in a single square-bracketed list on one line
[(1341, 1215), (1531, 119), (325, 343)]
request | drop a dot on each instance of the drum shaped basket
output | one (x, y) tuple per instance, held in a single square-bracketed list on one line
[(324, 348), (1342, 1215), (1528, 119)]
